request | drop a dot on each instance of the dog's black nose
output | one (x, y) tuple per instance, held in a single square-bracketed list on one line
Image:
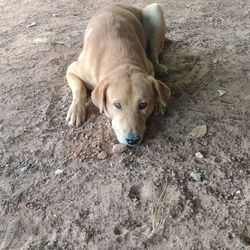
[(132, 139)]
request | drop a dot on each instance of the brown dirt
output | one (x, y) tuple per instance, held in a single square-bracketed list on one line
[(104, 203)]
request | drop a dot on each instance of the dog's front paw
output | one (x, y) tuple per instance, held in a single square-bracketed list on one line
[(160, 70), (159, 109), (76, 113)]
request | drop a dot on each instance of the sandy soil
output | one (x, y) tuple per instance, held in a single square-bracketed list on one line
[(102, 200)]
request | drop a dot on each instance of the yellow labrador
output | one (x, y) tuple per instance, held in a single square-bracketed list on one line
[(118, 62)]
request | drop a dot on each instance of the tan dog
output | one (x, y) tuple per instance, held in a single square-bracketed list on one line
[(118, 62)]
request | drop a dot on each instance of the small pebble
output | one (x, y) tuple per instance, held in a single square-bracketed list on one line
[(238, 192), (102, 155), (199, 155), (196, 176), (84, 236), (32, 24), (58, 171), (23, 169), (221, 92), (215, 60), (119, 148)]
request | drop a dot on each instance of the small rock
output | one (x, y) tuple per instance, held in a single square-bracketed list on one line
[(238, 192), (23, 169), (221, 92), (199, 155), (196, 176), (59, 171), (84, 236), (119, 148), (32, 24), (215, 60), (231, 235), (102, 155)]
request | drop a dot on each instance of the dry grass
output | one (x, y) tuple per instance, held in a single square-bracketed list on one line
[(158, 213)]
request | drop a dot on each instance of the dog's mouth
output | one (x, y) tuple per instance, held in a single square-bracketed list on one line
[(132, 145), (131, 140), (128, 143)]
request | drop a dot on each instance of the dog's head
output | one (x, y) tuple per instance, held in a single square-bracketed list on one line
[(128, 99)]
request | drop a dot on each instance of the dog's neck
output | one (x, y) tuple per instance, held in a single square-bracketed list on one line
[(130, 67)]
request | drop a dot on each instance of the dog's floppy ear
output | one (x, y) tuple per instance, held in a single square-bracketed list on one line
[(98, 95), (163, 92)]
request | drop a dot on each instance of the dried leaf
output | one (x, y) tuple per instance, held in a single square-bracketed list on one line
[(198, 131), (48, 40), (41, 40)]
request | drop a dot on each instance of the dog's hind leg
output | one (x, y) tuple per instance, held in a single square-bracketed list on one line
[(77, 110), (155, 29)]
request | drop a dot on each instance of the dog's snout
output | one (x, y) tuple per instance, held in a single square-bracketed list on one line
[(132, 139)]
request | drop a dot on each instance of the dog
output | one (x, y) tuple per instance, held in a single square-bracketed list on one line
[(118, 62)]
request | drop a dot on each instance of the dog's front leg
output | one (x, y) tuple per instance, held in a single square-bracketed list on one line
[(77, 110)]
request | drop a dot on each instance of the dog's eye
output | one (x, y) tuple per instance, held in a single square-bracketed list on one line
[(118, 105), (143, 105)]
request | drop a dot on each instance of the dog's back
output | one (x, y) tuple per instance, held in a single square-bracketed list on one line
[(115, 35), (115, 22)]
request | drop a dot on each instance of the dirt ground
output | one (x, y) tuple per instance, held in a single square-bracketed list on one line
[(101, 200)]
